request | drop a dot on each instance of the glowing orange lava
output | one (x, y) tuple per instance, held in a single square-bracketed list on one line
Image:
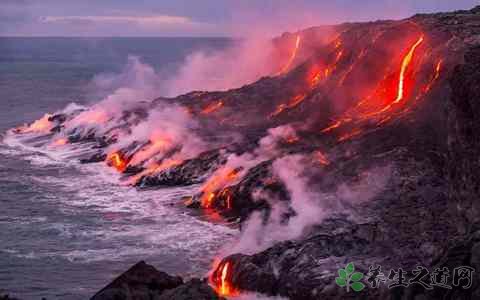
[(333, 66), (438, 68), (159, 142), (212, 107), (292, 139), (221, 280), (60, 142), (291, 104), (388, 93), (219, 180), (225, 286), (319, 74), (153, 169), (352, 66), (42, 125), (117, 160), (405, 64), (289, 63), (321, 158)]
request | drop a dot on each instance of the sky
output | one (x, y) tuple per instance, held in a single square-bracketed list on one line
[(198, 17)]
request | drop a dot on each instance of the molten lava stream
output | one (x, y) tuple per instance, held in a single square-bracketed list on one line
[(289, 63), (319, 74), (402, 79), (154, 169), (221, 280), (218, 181), (291, 104), (60, 142), (212, 107), (438, 68), (117, 160), (390, 91), (42, 125), (321, 158)]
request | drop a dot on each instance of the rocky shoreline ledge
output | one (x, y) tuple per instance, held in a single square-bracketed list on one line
[(143, 281)]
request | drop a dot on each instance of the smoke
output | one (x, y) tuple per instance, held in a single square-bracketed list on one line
[(268, 145), (166, 128), (136, 83), (245, 61), (310, 206), (267, 149)]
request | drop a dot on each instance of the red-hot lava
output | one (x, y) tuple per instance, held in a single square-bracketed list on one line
[(219, 180), (159, 142), (221, 280), (317, 74), (154, 169), (321, 158), (60, 142), (42, 125), (322, 73), (290, 61), (402, 79), (212, 107), (296, 100), (393, 90), (117, 160), (438, 68)]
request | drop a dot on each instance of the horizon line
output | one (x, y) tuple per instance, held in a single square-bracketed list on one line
[(118, 36)]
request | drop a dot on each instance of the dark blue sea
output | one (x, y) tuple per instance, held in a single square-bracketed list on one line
[(67, 229)]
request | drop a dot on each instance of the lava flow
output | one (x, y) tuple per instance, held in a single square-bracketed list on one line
[(117, 160), (159, 142), (60, 142), (212, 107), (438, 68), (407, 60), (391, 91), (218, 181), (42, 125), (291, 104), (321, 158), (154, 169), (290, 61), (320, 74), (221, 280), (313, 79)]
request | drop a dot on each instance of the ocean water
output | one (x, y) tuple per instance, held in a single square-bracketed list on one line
[(67, 229)]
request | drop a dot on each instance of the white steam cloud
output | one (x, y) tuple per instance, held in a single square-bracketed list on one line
[(311, 207), (242, 63)]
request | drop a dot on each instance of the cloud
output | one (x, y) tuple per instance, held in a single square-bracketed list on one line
[(145, 21)]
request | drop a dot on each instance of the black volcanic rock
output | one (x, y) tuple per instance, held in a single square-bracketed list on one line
[(140, 282), (464, 139), (193, 289), (7, 297), (94, 158), (189, 172), (144, 282), (240, 195)]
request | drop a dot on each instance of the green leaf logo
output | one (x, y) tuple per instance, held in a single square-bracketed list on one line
[(349, 278)]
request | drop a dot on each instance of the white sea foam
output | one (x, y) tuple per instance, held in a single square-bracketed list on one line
[(139, 223)]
